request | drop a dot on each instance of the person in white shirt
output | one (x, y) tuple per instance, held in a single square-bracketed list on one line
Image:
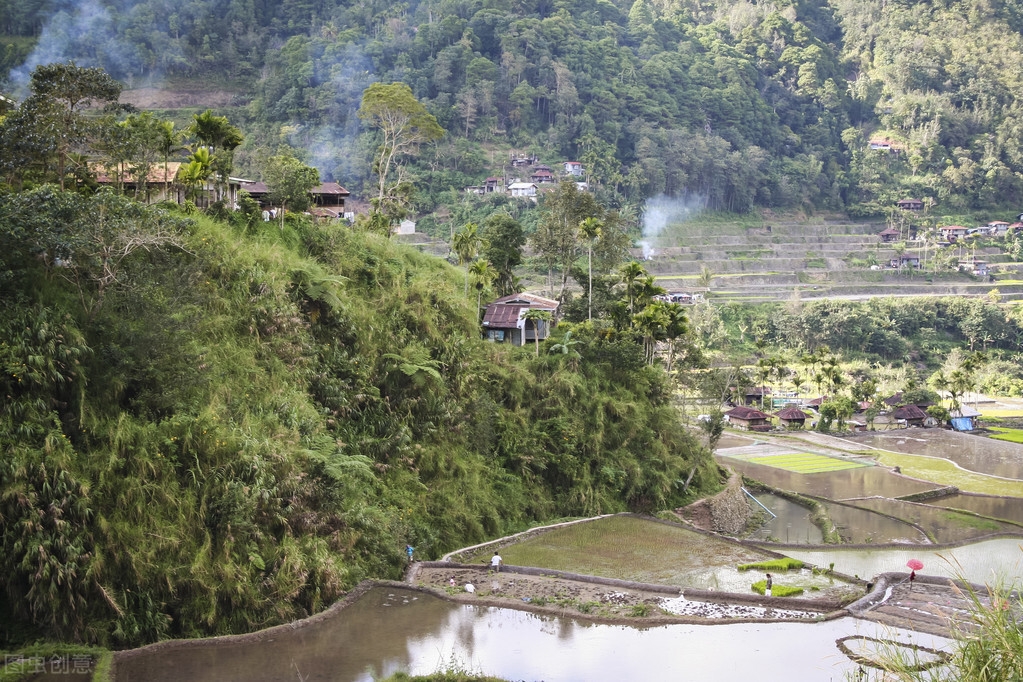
[(495, 562)]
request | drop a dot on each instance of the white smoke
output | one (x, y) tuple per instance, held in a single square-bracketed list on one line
[(89, 33), (661, 211)]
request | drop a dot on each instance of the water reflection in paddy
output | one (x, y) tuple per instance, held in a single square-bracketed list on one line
[(391, 629), (979, 562), (834, 485), (1008, 508), (791, 524), (974, 453)]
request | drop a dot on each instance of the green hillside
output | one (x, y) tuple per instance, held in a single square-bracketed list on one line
[(738, 104), (229, 424)]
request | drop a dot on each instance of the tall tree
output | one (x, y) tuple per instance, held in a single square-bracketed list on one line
[(288, 181), (555, 237), (631, 272), (503, 239), (404, 125), (536, 316), (466, 246), (589, 229), (483, 275), (51, 123)]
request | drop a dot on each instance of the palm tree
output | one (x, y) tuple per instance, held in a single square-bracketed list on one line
[(630, 273), (215, 133), (466, 245), (197, 172), (647, 290), (590, 230), (168, 142), (676, 326), (483, 275), (537, 315), (651, 323)]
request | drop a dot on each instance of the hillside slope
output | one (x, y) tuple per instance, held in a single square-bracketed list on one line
[(231, 426)]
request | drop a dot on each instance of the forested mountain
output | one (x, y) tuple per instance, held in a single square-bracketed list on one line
[(740, 103)]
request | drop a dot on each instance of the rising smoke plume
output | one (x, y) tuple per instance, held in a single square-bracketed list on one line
[(661, 211)]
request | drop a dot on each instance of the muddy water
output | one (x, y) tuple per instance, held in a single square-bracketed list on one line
[(835, 485), (974, 453), (1008, 508), (863, 526), (792, 524), (980, 562), (389, 630), (946, 525)]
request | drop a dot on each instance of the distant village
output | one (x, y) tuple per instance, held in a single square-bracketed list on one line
[(541, 178)]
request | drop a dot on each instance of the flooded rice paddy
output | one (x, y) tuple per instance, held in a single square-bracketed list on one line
[(1008, 508), (834, 485), (945, 525), (390, 630), (864, 526), (630, 548), (791, 524), (971, 452), (981, 562), (945, 473)]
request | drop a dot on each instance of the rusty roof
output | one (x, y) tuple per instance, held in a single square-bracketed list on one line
[(791, 414), (155, 175), (504, 316), (909, 412), (532, 299), (746, 413), (330, 188)]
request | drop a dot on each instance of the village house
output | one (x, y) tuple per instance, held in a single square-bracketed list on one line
[(964, 419), (952, 233), (542, 176), (405, 227), (161, 184), (492, 184), (792, 418), (574, 168), (474, 189), (889, 234), (910, 204), (522, 189), (748, 419), (905, 261), (910, 415), (885, 144), (520, 161), (974, 267), (753, 395), (997, 228), (329, 195), (503, 321)]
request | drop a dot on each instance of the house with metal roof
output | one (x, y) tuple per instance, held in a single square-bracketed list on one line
[(504, 322)]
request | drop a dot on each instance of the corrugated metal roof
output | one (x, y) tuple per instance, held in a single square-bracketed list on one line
[(746, 413), (330, 188), (504, 316)]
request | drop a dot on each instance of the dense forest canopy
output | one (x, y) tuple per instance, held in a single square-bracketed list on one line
[(742, 104)]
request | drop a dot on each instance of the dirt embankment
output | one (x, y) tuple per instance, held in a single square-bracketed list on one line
[(727, 512), (157, 98)]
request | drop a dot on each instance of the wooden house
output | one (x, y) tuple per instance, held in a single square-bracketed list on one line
[(905, 261), (910, 204), (952, 233), (910, 414), (748, 419), (792, 417), (755, 395), (542, 176), (889, 235), (492, 184), (503, 320)]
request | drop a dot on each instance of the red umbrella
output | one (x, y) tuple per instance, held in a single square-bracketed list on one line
[(915, 564)]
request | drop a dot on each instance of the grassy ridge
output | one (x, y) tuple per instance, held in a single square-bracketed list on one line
[(257, 418)]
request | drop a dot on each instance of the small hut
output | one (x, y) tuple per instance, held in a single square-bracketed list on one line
[(912, 415), (748, 419), (792, 418)]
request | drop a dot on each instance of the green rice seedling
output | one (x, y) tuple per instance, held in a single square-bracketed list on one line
[(776, 589), (784, 564)]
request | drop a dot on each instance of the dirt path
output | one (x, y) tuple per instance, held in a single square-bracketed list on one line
[(605, 600)]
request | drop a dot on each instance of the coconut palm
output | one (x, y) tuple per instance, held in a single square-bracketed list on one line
[(651, 323), (631, 272), (590, 230), (537, 315), (483, 275), (467, 244), (169, 141)]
